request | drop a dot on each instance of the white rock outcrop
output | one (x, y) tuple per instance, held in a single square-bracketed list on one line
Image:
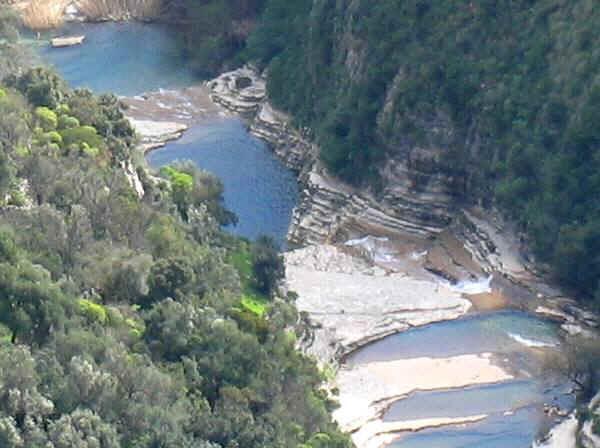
[(350, 303)]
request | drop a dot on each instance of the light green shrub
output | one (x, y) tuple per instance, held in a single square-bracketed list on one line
[(180, 180), (22, 151), (17, 198), (54, 137), (93, 311), (47, 118), (67, 122), (90, 151), (63, 109), (81, 134)]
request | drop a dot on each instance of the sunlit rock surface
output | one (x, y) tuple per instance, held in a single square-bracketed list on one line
[(351, 303)]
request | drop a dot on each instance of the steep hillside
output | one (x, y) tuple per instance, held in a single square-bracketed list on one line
[(499, 98), (127, 317)]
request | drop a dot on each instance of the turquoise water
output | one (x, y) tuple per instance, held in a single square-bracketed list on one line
[(258, 187), (123, 58), (487, 399)]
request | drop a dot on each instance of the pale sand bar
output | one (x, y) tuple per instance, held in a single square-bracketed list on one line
[(366, 391)]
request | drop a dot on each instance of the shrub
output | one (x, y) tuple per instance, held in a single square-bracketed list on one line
[(93, 311), (267, 265), (90, 151), (41, 86), (81, 134), (17, 198), (54, 137), (63, 109), (2, 93), (46, 118), (22, 151), (68, 122)]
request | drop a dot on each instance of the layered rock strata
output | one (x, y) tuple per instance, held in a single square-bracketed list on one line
[(416, 199)]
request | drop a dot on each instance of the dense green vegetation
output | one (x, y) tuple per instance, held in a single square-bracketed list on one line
[(123, 320), (214, 32), (508, 90)]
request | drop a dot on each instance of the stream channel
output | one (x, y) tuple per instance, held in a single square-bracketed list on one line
[(131, 58)]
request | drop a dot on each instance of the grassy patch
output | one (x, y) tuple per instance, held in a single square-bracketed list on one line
[(255, 304), (241, 260), (252, 300)]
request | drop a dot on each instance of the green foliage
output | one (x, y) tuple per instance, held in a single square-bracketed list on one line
[(67, 122), (81, 135), (40, 86), (267, 265), (254, 305), (8, 247), (214, 31), (47, 118), (93, 311), (192, 188), (121, 322)]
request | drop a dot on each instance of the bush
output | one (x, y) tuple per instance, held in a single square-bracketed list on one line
[(68, 122), (63, 109), (41, 86), (267, 265), (81, 134), (46, 118), (93, 311), (54, 137)]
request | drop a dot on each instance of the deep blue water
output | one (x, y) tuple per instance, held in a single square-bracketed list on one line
[(123, 58), (258, 187)]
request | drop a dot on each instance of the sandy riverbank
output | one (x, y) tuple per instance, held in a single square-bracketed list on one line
[(366, 391)]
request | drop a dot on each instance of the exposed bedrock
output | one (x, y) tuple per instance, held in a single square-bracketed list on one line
[(416, 198), (351, 303)]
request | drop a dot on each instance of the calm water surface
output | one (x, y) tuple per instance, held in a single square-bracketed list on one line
[(123, 58), (499, 332), (258, 187), (514, 408)]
